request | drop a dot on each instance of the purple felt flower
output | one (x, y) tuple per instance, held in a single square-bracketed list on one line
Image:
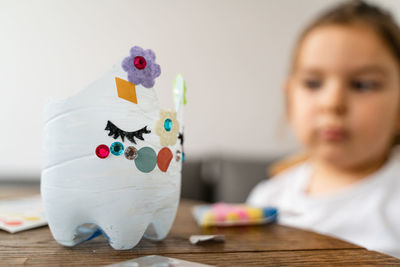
[(141, 67)]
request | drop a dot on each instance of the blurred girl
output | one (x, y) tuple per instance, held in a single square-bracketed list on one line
[(343, 102)]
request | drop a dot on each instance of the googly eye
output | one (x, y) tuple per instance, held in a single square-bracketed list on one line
[(117, 148), (102, 151), (168, 125), (130, 153)]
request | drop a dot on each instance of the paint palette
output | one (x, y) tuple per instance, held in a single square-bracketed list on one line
[(21, 214), (225, 214)]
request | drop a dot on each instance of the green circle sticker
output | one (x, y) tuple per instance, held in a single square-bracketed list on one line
[(146, 159)]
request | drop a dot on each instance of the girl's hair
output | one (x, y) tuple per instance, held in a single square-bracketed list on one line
[(357, 12), (349, 13)]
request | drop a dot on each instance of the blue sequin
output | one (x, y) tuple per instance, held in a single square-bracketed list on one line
[(183, 156), (168, 125), (117, 148), (270, 213)]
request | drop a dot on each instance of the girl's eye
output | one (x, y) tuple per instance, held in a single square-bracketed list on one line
[(364, 85), (312, 84)]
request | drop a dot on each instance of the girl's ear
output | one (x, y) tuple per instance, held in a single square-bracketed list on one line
[(398, 125), (398, 118), (396, 138)]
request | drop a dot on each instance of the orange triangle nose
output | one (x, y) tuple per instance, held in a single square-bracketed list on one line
[(126, 90)]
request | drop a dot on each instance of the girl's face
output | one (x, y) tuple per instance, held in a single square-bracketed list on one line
[(343, 95)]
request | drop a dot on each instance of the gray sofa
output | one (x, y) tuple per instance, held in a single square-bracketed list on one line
[(222, 179)]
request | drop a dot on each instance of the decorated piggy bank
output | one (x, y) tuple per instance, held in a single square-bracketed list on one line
[(112, 158)]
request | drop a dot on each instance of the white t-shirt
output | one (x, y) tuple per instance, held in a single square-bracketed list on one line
[(366, 213)]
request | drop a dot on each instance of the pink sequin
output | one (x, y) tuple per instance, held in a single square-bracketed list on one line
[(139, 62), (102, 151), (222, 207), (242, 214), (219, 216)]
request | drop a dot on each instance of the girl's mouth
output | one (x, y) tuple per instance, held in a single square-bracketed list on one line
[(333, 134)]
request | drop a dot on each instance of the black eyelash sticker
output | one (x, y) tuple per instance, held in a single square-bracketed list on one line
[(180, 136), (116, 132)]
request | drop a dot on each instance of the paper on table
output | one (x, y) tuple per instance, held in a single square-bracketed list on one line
[(157, 261), (21, 214), (195, 239)]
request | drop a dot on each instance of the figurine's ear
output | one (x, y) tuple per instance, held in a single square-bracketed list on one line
[(179, 92)]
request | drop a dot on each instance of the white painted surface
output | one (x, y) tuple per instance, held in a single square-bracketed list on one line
[(232, 53), (79, 188)]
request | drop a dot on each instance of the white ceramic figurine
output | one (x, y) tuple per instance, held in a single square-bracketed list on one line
[(112, 158)]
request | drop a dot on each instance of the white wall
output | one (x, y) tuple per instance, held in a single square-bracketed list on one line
[(233, 55)]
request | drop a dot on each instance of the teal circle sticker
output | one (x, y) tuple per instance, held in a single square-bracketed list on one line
[(146, 159)]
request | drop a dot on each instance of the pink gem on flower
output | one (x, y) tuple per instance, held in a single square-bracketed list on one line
[(139, 62), (102, 151)]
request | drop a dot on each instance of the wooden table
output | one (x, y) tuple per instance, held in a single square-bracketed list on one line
[(245, 246)]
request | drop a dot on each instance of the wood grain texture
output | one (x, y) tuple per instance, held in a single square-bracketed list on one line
[(245, 246)]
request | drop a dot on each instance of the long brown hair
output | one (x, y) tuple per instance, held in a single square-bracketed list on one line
[(348, 13)]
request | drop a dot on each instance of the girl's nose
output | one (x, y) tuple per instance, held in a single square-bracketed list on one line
[(333, 98)]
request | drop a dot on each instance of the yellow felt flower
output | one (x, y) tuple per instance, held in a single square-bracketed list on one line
[(167, 128)]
